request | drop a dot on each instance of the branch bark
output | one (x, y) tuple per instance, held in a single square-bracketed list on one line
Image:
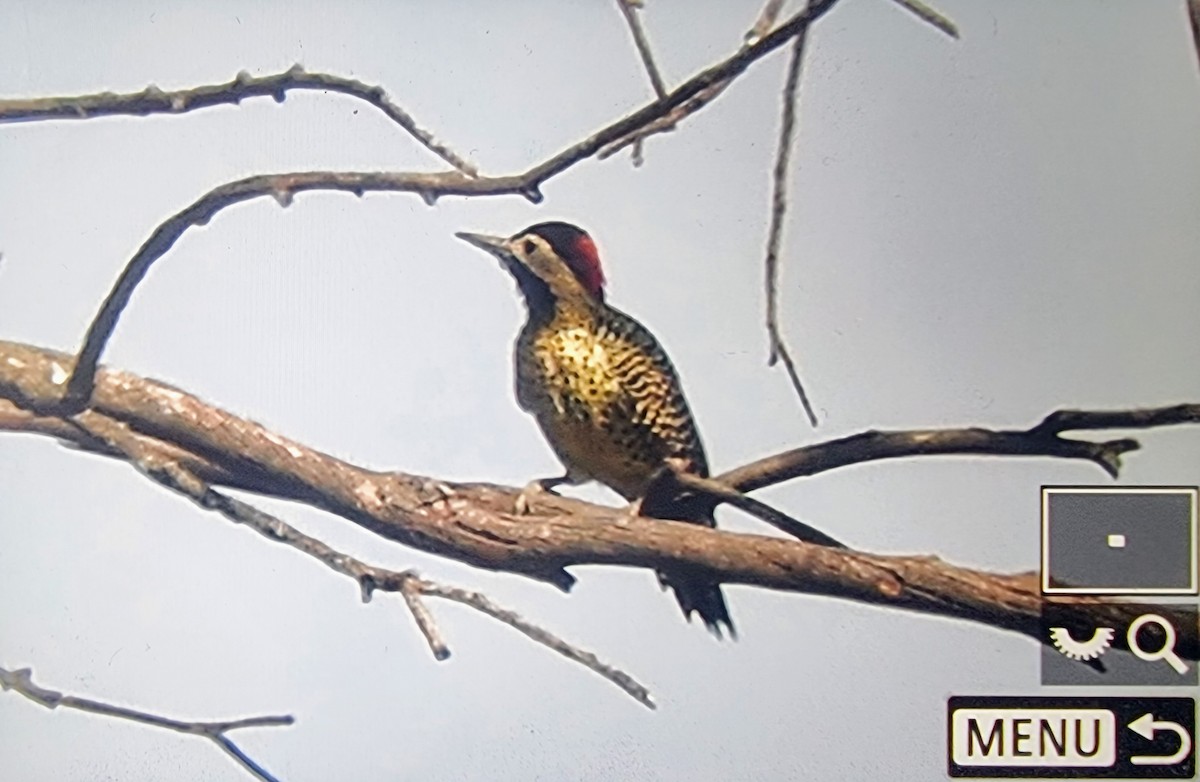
[(475, 523), (169, 470)]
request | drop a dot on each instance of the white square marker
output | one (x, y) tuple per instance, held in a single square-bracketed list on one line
[(1089, 532)]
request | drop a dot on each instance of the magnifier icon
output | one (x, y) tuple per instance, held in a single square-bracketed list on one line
[(1167, 652)]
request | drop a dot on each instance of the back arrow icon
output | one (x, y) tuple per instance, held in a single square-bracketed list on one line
[(1145, 726)]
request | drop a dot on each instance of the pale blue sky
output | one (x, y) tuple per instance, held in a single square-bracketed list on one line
[(981, 231)]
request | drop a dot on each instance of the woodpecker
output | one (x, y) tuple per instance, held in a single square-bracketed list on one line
[(601, 388)]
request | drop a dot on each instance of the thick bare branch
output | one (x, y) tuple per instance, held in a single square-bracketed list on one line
[(153, 100), (475, 523), (21, 681)]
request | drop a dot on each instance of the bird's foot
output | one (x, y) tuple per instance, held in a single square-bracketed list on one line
[(532, 491), (630, 512)]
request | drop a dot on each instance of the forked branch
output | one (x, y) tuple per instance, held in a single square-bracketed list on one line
[(475, 523), (283, 187), (171, 472), (21, 682)]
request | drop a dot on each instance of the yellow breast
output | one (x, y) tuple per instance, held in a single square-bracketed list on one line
[(606, 397)]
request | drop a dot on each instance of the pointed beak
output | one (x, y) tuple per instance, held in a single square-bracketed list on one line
[(496, 245)]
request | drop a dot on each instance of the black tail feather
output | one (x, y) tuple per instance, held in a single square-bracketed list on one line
[(695, 589), (697, 594)]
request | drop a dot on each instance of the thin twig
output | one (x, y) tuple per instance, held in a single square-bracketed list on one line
[(669, 121), (787, 127), (153, 100), (761, 28), (927, 14), (411, 591), (1080, 420), (629, 9), (764, 23), (1194, 17), (480, 602), (21, 681)]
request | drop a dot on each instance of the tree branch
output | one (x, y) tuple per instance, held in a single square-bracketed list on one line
[(629, 9), (787, 127), (430, 186), (475, 523), (153, 100), (765, 21), (1193, 8), (1040, 440), (669, 121), (928, 14), (283, 187), (172, 474), (21, 682)]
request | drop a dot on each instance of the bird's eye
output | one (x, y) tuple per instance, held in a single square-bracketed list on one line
[(528, 247)]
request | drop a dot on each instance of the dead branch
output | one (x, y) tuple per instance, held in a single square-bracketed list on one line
[(669, 121), (153, 100), (787, 130), (475, 523), (172, 474), (1193, 7), (761, 27), (629, 9), (284, 187), (765, 21), (21, 682), (927, 14)]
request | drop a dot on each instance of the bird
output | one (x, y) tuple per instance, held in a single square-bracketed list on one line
[(602, 389)]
